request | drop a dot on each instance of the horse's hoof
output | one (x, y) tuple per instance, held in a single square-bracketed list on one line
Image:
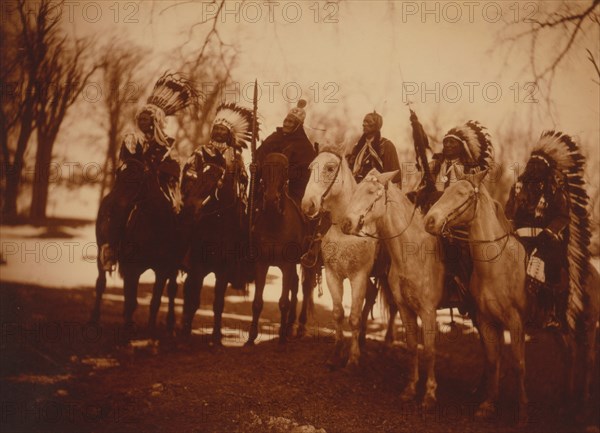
[(333, 363), (300, 333), (249, 343), (429, 402), (408, 394), (485, 411), (354, 368)]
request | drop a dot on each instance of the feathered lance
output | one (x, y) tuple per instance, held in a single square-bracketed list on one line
[(253, 157), (421, 143)]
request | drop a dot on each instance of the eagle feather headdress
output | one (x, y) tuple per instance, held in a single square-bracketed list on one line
[(238, 120), (566, 158), (476, 142)]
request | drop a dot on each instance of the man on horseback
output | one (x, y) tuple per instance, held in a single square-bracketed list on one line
[(291, 140), (467, 149), (145, 153), (231, 130), (540, 208), (228, 137), (371, 151)]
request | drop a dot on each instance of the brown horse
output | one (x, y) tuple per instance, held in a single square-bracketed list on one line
[(379, 209), (150, 241), (280, 236), (215, 216), (498, 285), (330, 189)]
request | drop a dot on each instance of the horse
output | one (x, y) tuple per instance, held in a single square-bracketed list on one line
[(330, 189), (380, 210), (150, 241), (280, 235), (498, 286), (217, 238)]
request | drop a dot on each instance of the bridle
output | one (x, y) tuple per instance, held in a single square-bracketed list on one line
[(361, 219), (471, 201), (335, 176)]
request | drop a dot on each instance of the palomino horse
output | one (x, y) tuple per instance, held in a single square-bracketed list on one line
[(280, 236), (330, 189), (217, 239), (379, 209), (498, 285), (151, 241)]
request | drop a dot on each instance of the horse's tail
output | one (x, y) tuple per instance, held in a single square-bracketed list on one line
[(385, 298), (312, 274)]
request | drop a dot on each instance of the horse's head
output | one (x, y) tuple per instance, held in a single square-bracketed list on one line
[(168, 183), (325, 181), (368, 202), (274, 179), (457, 206), (198, 186)]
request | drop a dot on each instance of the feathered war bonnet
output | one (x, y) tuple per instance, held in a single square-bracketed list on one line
[(238, 120), (171, 94), (560, 152), (476, 141)]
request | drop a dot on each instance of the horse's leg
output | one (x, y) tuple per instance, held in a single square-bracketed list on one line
[(589, 355), (218, 306), (336, 289), (291, 317), (492, 337), (370, 296), (290, 277), (390, 333), (429, 333), (130, 283), (157, 291), (257, 304), (517, 344), (191, 299), (308, 282), (359, 289), (172, 293), (100, 288), (409, 319)]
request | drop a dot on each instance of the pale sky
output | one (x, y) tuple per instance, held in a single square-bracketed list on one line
[(360, 55)]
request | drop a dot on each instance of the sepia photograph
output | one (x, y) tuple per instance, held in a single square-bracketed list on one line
[(300, 216)]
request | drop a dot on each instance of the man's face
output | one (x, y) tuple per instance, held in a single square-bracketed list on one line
[(536, 171), (453, 148), (145, 123), (290, 123), (220, 133), (369, 125)]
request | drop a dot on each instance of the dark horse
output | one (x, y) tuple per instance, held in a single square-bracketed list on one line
[(150, 240), (218, 236), (280, 236)]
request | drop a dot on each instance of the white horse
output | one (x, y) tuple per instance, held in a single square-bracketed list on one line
[(416, 277), (330, 189)]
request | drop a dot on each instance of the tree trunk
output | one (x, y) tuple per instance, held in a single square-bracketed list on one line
[(41, 180)]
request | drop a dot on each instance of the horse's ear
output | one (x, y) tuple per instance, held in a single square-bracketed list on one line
[(373, 173), (479, 176), (384, 178)]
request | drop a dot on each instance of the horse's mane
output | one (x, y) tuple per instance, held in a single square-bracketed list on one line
[(498, 209), (335, 148)]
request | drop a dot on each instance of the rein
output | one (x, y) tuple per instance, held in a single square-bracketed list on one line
[(361, 219), (337, 172), (447, 233)]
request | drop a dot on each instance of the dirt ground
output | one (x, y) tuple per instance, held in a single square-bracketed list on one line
[(59, 373)]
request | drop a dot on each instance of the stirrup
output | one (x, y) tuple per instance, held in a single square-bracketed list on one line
[(107, 258)]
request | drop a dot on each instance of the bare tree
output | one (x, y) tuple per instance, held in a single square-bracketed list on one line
[(559, 29), (120, 64), (19, 105), (60, 75)]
